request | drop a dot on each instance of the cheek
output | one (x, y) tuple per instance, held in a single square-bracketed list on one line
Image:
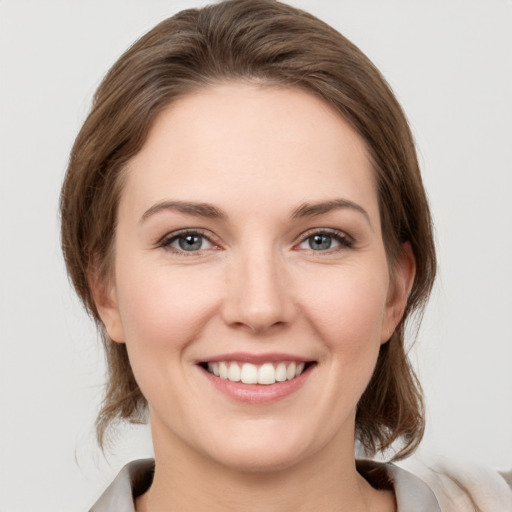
[(164, 306), (163, 311), (348, 307), (347, 310)]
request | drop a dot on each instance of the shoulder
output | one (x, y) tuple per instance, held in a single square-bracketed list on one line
[(411, 492), (133, 480), (466, 486), (439, 487), (442, 486)]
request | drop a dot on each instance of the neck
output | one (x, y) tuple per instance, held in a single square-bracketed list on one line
[(186, 481)]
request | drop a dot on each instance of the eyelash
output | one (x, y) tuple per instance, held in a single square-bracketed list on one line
[(167, 240), (343, 239)]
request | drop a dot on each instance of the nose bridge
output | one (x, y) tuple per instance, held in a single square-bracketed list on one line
[(259, 295)]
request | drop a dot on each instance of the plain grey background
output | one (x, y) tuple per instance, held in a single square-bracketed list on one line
[(449, 62)]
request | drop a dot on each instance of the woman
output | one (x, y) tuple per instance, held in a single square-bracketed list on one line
[(244, 217)]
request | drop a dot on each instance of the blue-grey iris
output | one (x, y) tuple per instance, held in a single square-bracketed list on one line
[(320, 242), (190, 242)]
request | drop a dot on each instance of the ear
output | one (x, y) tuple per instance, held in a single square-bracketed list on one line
[(104, 293), (402, 279)]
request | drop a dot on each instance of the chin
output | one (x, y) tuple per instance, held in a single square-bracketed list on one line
[(259, 460), (263, 453)]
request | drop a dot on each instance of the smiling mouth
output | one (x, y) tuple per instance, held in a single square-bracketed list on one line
[(249, 373)]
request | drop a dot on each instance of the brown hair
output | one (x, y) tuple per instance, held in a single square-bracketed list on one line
[(267, 42)]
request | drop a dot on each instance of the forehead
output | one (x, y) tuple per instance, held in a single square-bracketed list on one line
[(235, 140)]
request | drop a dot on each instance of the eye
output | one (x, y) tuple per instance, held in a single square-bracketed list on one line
[(325, 241), (187, 241)]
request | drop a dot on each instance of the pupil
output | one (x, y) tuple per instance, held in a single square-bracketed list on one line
[(318, 242), (190, 243)]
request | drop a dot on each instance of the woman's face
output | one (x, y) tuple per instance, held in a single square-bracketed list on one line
[(249, 247)]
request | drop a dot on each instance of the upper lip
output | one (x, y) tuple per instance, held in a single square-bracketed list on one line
[(245, 357)]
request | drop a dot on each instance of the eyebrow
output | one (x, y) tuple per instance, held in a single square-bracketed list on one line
[(187, 207), (322, 207), (212, 212)]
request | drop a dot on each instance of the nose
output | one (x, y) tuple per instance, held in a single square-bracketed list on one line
[(259, 292)]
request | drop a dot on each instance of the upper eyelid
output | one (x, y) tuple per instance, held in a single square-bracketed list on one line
[(172, 235), (328, 231), (212, 238), (342, 237)]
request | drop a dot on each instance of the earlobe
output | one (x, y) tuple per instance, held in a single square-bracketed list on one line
[(105, 299), (400, 287)]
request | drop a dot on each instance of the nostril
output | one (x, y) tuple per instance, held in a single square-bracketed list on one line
[(258, 325)]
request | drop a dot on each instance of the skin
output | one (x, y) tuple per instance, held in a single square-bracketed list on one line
[(255, 286)]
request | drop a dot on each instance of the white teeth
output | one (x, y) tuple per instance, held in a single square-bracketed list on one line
[(234, 372), (223, 370), (249, 373), (214, 368), (290, 372), (266, 374), (281, 372)]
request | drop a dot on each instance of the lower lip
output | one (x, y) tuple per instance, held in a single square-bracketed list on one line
[(258, 393)]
